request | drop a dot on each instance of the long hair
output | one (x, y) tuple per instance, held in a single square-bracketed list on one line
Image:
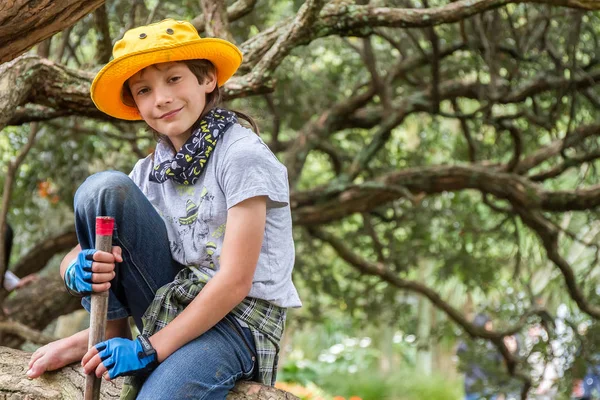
[(201, 69)]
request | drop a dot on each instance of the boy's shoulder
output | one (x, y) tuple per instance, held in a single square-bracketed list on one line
[(243, 143), (238, 133)]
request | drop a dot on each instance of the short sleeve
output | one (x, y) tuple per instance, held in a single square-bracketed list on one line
[(249, 169)]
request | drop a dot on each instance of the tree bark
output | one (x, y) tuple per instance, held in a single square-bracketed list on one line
[(51, 301), (104, 43), (31, 80), (327, 204), (39, 255), (215, 19), (37, 80), (23, 23), (69, 382)]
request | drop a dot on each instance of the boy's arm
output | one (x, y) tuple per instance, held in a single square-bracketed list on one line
[(244, 233)]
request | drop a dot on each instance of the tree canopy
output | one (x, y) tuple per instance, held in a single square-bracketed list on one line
[(439, 150)]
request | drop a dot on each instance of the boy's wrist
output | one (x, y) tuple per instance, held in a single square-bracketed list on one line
[(166, 342), (147, 348), (68, 279), (160, 350)]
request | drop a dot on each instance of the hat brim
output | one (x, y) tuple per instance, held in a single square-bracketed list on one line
[(107, 86)]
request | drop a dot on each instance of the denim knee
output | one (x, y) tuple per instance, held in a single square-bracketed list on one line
[(206, 368), (103, 185)]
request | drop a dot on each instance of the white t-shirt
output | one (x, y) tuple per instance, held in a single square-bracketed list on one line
[(240, 167)]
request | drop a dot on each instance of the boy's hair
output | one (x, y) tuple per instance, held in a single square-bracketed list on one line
[(8, 241), (201, 69)]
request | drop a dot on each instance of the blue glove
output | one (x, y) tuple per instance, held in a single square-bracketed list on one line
[(127, 357), (78, 276)]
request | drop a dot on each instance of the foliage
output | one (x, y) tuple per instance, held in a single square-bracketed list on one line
[(346, 366), (474, 249)]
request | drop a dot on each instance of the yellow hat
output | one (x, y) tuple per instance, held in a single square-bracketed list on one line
[(165, 41)]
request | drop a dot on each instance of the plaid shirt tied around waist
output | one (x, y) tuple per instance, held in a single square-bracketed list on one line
[(265, 320)]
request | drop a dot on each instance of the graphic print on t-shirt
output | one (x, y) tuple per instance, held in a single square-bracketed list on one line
[(241, 167), (193, 227)]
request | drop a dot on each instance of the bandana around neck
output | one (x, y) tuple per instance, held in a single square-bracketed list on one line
[(187, 165)]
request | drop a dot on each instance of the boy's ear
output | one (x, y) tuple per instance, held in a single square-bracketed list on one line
[(210, 83)]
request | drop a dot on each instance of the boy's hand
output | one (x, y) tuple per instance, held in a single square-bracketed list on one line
[(92, 270), (118, 357)]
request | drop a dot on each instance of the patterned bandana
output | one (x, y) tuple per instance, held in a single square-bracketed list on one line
[(187, 165)]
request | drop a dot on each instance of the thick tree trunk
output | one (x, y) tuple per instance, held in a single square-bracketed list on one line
[(40, 81), (37, 89), (24, 23), (69, 383)]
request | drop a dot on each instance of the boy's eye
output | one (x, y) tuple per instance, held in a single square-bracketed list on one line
[(142, 91), (175, 79)]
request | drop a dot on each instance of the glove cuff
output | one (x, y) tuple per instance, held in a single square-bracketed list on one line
[(68, 281), (147, 351)]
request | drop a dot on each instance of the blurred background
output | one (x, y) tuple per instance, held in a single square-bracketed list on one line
[(443, 166)]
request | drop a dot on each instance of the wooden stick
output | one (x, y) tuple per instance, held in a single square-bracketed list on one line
[(104, 229)]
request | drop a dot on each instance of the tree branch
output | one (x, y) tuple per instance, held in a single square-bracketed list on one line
[(11, 172), (40, 253), (36, 80), (548, 234), (380, 138), (312, 131), (545, 153), (25, 332), (51, 301), (386, 274), (570, 162), (216, 23), (235, 11), (103, 42), (344, 19), (466, 131), (64, 91), (69, 383), (517, 140), (24, 23), (326, 204), (35, 113), (288, 39)]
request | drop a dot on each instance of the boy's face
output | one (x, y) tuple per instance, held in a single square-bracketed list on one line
[(170, 99)]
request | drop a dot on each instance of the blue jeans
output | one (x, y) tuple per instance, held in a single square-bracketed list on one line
[(205, 368)]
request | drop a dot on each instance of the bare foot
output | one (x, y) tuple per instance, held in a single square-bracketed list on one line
[(56, 355)]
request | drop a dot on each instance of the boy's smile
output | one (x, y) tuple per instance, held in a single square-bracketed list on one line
[(170, 99), (170, 114)]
